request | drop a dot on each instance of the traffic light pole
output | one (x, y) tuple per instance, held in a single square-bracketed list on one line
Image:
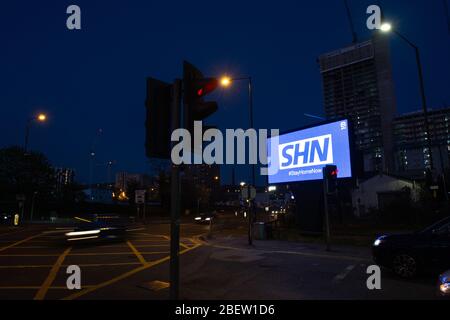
[(175, 200)]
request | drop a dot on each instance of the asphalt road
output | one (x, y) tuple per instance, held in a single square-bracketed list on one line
[(34, 260)]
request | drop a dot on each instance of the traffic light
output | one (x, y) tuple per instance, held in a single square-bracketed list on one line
[(196, 86), (158, 119), (330, 174)]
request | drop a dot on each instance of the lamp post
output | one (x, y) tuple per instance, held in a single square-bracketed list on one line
[(387, 27), (39, 118), (226, 82)]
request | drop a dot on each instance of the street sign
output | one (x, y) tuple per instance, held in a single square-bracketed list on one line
[(139, 197)]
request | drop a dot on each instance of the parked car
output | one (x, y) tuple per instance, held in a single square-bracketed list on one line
[(408, 254), (444, 284)]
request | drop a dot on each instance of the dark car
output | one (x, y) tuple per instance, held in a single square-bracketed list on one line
[(205, 217), (96, 231), (408, 254), (444, 284)]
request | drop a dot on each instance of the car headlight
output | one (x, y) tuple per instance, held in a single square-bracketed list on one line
[(445, 288), (198, 218), (208, 219), (378, 241)]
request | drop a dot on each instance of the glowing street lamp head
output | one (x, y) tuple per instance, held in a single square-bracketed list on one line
[(41, 117), (225, 81), (386, 27)]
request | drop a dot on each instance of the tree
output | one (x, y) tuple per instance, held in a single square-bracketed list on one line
[(25, 173)]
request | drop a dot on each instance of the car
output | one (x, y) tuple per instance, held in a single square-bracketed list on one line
[(409, 254), (205, 218), (96, 231), (444, 284)]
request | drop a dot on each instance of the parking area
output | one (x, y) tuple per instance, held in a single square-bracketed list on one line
[(33, 263)]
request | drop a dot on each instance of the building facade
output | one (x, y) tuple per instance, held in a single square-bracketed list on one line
[(357, 84), (412, 154), (64, 177)]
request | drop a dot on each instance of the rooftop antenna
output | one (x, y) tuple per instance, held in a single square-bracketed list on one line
[(350, 20)]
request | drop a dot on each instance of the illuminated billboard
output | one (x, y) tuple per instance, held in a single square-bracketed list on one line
[(301, 155)]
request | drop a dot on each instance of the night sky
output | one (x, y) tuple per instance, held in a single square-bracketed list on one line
[(95, 78)]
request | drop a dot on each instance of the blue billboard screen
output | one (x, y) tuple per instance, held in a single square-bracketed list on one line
[(302, 155)]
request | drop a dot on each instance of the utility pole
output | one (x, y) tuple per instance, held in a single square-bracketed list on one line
[(175, 200)]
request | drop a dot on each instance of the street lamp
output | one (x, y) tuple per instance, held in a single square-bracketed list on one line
[(225, 82), (41, 117), (387, 27)]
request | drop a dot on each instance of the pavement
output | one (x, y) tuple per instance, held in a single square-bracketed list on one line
[(34, 260)]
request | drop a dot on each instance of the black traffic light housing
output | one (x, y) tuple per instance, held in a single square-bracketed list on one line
[(196, 86), (330, 174), (158, 119)]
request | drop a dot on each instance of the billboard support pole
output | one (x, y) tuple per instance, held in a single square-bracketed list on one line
[(326, 212)]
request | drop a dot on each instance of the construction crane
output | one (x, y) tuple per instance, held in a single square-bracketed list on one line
[(447, 14), (350, 20)]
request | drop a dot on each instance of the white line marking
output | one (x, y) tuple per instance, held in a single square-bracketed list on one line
[(344, 273)]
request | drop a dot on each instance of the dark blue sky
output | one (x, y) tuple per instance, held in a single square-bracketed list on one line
[(95, 78)]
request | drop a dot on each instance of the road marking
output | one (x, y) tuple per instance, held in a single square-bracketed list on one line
[(151, 245), (82, 254), (14, 232), (118, 264), (155, 285), (138, 229), (40, 295), (36, 247), (149, 240), (124, 276), (61, 231), (34, 288), (137, 253), (183, 245), (306, 254), (344, 273), (19, 242)]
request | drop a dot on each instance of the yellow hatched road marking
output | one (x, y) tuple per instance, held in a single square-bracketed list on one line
[(137, 253), (82, 254), (35, 287), (19, 242), (118, 264), (125, 275), (40, 295)]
